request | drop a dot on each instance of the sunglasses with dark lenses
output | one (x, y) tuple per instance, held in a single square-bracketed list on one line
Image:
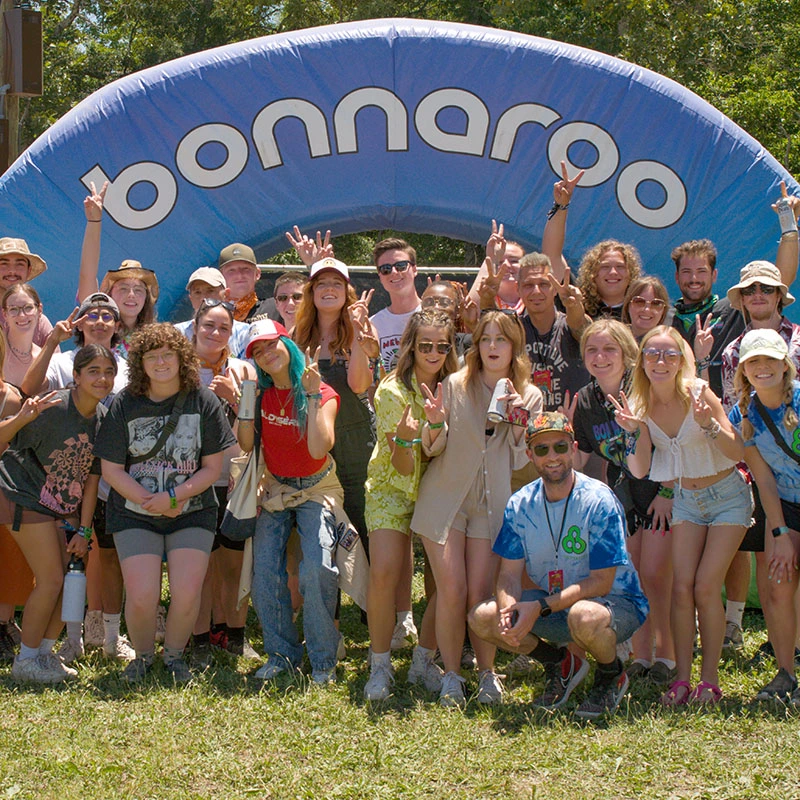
[(764, 288), (442, 348), (106, 316), (400, 266), (654, 354), (560, 448), (296, 296), (508, 312), (641, 302), (208, 303)]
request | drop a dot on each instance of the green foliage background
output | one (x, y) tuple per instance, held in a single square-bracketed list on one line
[(739, 55)]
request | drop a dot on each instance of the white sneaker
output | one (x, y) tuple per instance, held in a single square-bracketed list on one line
[(452, 692), (94, 634), (70, 651), (522, 665), (161, 624), (120, 649), (423, 670), (381, 679), (490, 690), (405, 634), (45, 668)]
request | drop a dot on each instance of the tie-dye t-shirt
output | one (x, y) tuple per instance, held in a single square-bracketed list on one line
[(591, 537)]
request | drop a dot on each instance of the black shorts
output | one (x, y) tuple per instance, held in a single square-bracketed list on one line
[(219, 540), (105, 541), (753, 541)]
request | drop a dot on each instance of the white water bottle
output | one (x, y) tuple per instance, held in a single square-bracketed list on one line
[(74, 597)]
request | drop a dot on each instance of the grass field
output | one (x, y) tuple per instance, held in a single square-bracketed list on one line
[(227, 736)]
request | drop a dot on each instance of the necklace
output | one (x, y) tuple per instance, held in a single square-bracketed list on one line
[(283, 401), (21, 354), (557, 544)]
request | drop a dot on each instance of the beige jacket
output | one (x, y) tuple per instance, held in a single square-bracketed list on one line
[(461, 451)]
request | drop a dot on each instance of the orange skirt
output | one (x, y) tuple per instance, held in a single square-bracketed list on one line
[(16, 578)]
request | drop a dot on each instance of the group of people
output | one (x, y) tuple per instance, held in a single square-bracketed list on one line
[(585, 464)]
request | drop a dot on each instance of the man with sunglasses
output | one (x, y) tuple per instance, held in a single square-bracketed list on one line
[(567, 531), (396, 262), (208, 284)]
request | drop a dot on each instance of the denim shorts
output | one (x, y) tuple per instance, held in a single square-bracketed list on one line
[(727, 502), (625, 618)]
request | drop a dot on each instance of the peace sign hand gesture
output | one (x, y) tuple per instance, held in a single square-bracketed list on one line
[(434, 404), (359, 311), (624, 415), (570, 295), (568, 408), (563, 189), (34, 406), (311, 379), (63, 330), (491, 283), (93, 203), (703, 338), (496, 244)]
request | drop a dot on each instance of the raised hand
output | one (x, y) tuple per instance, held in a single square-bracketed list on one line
[(226, 388), (308, 249), (360, 309), (570, 295), (434, 404), (93, 204), (563, 189), (63, 330), (624, 415), (311, 379), (568, 407), (366, 338), (496, 244), (408, 427), (703, 338), (491, 283), (34, 406)]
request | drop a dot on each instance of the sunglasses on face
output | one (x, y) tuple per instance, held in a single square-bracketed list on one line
[(400, 266), (207, 303), (656, 354), (106, 316), (437, 302), (442, 348), (641, 302), (750, 290), (560, 448), (283, 298)]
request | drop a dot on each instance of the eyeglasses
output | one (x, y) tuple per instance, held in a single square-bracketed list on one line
[(656, 354), (209, 303), (284, 298), (748, 291), (437, 302), (560, 448), (400, 266), (106, 316), (154, 358), (27, 310), (641, 302), (442, 348)]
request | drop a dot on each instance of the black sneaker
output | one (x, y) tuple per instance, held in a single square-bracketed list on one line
[(604, 697), (201, 655), (7, 650), (781, 687), (561, 680), (763, 654)]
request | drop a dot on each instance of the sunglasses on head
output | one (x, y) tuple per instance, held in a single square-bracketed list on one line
[(641, 302), (400, 266), (764, 288), (106, 316), (560, 448), (442, 348), (296, 296), (508, 312), (208, 303), (655, 354)]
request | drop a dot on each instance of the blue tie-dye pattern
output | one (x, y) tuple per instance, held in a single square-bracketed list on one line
[(525, 534), (785, 469)]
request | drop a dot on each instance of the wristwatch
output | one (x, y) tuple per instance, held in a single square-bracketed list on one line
[(546, 611), (776, 532)]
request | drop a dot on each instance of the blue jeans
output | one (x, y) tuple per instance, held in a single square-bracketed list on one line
[(319, 581)]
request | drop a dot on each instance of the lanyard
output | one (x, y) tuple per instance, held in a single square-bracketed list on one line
[(557, 544)]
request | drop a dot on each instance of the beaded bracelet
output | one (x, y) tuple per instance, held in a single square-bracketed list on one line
[(405, 442), (556, 208), (666, 491), (86, 531), (703, 363), (712, 429)]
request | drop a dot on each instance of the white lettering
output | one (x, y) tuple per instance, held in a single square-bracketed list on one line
[(473, 141), (512, 119), (235, 159), (669, 212), (264, 129), (572, 132), (344, 118)]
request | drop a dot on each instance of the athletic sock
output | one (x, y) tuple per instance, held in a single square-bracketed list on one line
[(405, 616), (236, 636), (734, 612), (607, 672), (28, 652), (546, 653), (111, 627)]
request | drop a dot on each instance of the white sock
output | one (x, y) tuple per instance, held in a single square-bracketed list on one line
[(404, 616), (74, 631), (27, 652), (382, 658), (111, 627), (734, 612), (668, 661), (644, 662), (46, 646)]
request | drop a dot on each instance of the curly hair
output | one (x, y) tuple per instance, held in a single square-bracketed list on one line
[(511, 327), (635, 288), (306, 332), (620, 333), (640, 385), (744, 389), (406, 354), (590, 266), (152, 337)]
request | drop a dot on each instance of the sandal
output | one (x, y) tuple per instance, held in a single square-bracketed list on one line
[(706, 693), (678, 694)]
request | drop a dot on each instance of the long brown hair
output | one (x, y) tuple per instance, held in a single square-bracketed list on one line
[(306, 332), (511, 327), (635, 288), (406, 354)]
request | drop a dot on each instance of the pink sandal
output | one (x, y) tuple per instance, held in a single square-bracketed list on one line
[(706, 693), (678, 694)]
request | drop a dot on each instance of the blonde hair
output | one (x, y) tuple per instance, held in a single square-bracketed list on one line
[(620, 333), (590, 266), (511, 327), (639, 397), (743, 389)]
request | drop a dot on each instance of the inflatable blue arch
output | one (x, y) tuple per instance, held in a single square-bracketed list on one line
[(419, 126)]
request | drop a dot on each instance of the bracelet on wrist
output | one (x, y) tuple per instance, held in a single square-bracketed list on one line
[(86, 531), (712, 429), (702, 364), (556, 207), (173, 501), (666, 491), (96, 221), (434, 426), (405, 442), (631, 439), (314, 395), (776, 532)]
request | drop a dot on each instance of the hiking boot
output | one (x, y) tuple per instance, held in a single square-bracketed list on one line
[(781, 687), (561, 679), (734, 639), (7, 650), (119, 649), (179, 671), (521, 665), (201, 655), (94, 629), (660, 674), (404, 635), (490, 690), (14, 631), (468, 660), (381, 679), (604, 696), (136, 670), (451, 694), (244, 650), (423, 670)]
